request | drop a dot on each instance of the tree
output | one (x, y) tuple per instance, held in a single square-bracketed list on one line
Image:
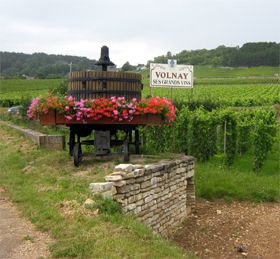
[(127, 67)]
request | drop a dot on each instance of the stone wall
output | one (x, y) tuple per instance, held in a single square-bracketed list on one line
[(161, 195)]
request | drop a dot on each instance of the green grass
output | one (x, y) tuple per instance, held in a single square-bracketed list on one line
[(31, 124), (19, 85), (13, 90), (215, 181), (207, 71), (44, 188)]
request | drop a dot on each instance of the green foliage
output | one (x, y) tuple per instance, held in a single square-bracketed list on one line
[(127, 67), (215, 96), (236, 81), (229, 123), (182, 132), (107, 206), (159, 139), (250, 54), (41, 65), (226, 132), (202, 134), (25, 102), (263, 136), (244, 126), (61, 89), (14, 91), (215, 181), (50, 187)]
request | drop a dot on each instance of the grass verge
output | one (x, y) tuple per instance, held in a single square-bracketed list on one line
[(51, 192), (214, 180)]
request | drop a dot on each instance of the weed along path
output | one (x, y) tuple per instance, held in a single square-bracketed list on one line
[(222, 230), (18, 237)]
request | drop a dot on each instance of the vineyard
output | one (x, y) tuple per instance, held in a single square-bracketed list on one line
[(229, 112), (228, 133), (13, 90)]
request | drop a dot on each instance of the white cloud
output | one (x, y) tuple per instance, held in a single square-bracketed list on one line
[(134, 30)]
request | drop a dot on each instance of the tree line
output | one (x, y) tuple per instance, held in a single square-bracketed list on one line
[(249, 55), (41, 65)]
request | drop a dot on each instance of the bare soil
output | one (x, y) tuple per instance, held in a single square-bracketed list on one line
[(221, 230)]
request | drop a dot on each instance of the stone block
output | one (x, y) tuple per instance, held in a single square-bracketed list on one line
[(100, 187), (145, 184), (135, 186), (129, 175), (139, 202), (123, 189), (137, 166), (190, 174), (180, 170), (131, 206), (137, 210), (154, 181), (119, 173), (138, 172), (149, 198), (113, 178), (119, 183), (130, 193), (114, 190), (124, 167), (139, 179), (131, 199)]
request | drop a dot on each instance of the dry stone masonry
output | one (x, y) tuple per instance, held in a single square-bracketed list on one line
[(160, 195)]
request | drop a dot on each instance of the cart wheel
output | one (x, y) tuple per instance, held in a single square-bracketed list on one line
[(126, 150), (77, 154)]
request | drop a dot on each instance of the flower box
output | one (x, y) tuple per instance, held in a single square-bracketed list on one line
[(59, 118), (55, 118), (47, 118), (145, 119), (114, 110)]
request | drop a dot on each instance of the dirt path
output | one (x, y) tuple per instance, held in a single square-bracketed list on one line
[(18, 237), (236, 230)]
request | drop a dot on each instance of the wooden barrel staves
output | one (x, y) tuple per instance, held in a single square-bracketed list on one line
[(97, 84)]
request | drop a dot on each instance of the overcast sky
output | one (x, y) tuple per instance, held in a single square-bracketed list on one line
[(135, 31)]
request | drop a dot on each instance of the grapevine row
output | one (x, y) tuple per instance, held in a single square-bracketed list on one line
[(203, 134)]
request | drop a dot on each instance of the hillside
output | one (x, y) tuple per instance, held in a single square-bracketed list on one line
[(40, 65), (249, 55)]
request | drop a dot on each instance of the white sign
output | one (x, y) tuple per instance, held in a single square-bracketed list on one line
[(171, 75)]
